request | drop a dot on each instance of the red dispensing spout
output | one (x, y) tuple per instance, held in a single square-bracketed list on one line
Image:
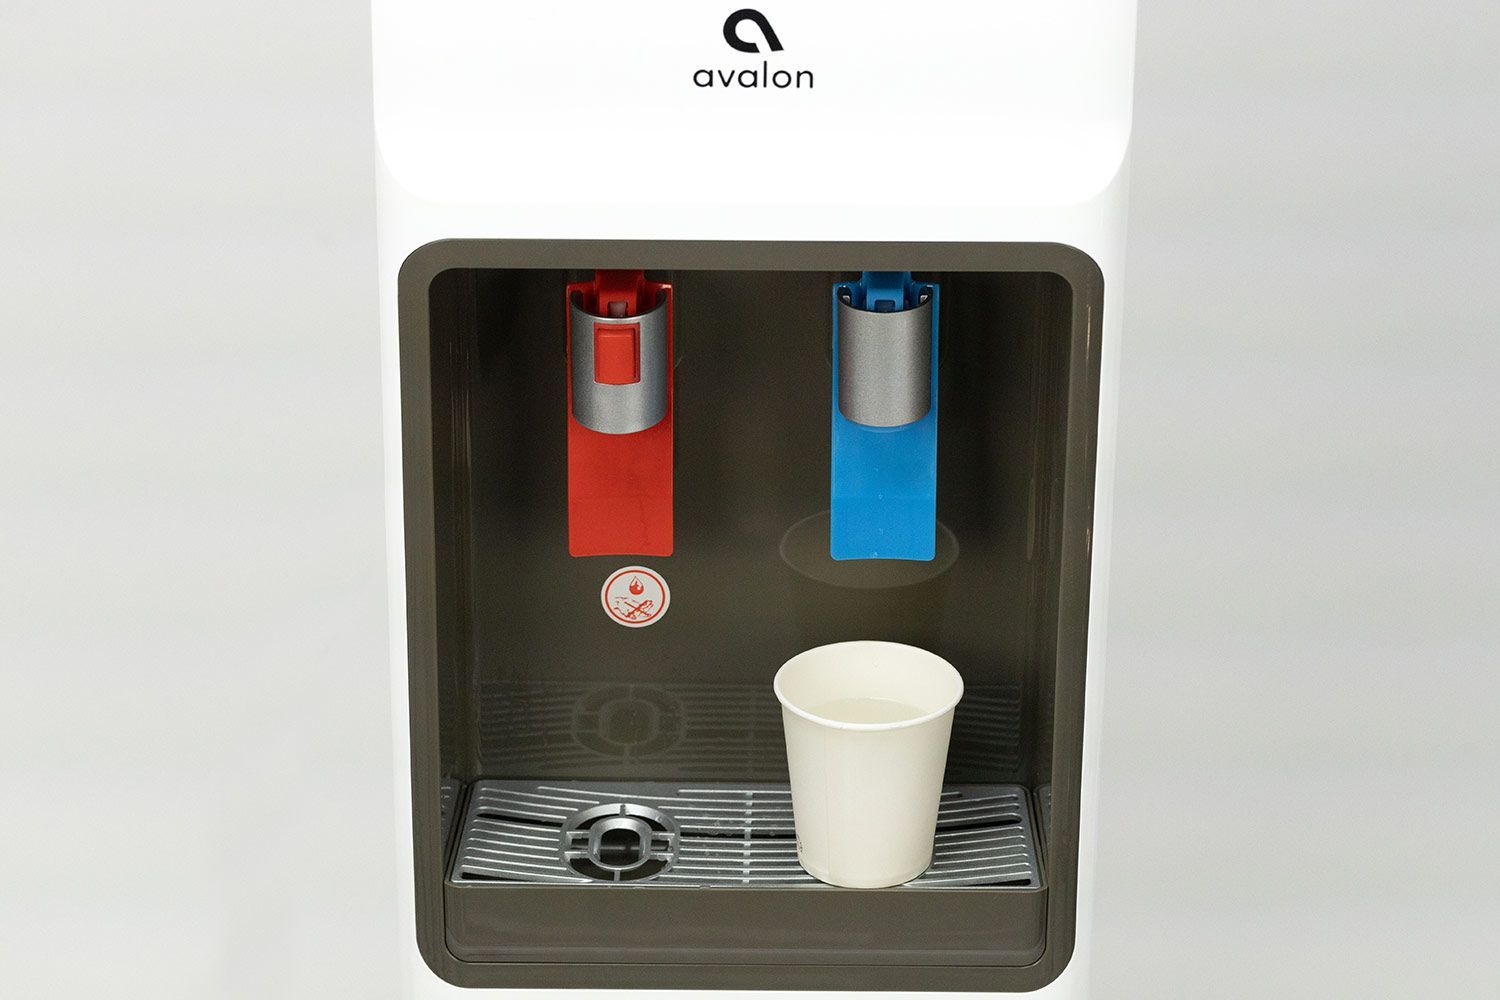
[(619, 415)]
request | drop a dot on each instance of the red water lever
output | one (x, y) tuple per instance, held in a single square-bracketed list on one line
[(619, 415)]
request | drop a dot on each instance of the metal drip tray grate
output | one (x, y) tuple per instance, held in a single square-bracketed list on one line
[(711, 835)]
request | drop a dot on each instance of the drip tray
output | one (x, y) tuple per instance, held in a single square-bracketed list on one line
[(718, 835)]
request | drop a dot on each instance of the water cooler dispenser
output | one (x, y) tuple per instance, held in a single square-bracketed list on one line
[(712, 336)]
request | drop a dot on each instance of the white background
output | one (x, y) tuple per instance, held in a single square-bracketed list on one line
[(1302, 749)]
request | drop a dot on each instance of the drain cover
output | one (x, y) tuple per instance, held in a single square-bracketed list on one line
[(619, 842)]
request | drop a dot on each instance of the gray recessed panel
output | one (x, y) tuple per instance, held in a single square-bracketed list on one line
[(517, 674)]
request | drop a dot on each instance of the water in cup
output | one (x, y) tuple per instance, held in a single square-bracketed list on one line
[(862, 710)]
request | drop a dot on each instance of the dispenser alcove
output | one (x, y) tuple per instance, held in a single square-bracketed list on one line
[(515, 672)]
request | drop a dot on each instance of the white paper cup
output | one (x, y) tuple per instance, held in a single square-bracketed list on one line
[(867, 726)]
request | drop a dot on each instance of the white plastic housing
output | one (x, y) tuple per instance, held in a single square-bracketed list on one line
[(947, 121)]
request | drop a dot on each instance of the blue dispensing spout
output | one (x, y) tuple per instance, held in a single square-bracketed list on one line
[(885, 403)]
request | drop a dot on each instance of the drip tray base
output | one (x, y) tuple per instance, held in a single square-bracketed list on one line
[(712, 835)]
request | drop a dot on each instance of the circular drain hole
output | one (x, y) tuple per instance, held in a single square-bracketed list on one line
[(619, 842), (620, 848)]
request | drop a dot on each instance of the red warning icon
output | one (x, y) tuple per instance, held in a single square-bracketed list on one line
[(635, 596)]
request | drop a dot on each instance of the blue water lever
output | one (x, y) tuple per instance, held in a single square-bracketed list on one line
[(885, 403)]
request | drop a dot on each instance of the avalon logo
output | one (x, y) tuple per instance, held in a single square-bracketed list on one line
[(751, 78), (732, 31)]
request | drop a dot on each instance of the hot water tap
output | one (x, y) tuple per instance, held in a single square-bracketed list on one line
[(619, 415)]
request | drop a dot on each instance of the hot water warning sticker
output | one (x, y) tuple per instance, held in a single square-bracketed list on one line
[(635, 597)]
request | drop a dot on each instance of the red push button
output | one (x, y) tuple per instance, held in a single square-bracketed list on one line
[(617, 353)]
